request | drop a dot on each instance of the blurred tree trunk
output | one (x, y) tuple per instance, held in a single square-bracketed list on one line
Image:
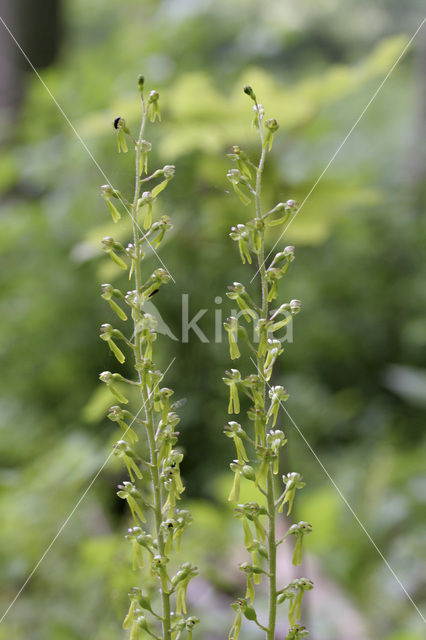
[(10, 77), (37, 26), (416, 162)]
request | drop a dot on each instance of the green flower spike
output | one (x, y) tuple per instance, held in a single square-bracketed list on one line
[(157, 537), (260, 524)]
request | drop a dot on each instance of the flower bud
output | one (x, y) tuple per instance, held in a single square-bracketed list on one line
[(141, 82), (248, 472), (249, 92)]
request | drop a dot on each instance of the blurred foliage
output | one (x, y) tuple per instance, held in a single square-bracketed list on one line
[(356, 369)]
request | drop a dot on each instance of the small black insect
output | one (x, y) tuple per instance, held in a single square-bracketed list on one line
[(116, 121), (153, 293)]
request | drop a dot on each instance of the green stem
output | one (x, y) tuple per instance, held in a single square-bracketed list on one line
[(270, 486), (147, 400)]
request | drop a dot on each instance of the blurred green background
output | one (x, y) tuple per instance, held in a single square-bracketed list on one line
[(356, 369)]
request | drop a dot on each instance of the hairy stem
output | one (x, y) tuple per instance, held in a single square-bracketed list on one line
[(270, 488)]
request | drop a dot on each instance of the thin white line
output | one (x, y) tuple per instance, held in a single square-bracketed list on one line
[(64, 524), (78, 136), (346, 138), (346, 503)]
